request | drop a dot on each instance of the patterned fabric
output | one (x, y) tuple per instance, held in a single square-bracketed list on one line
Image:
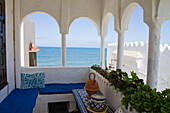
[(41, 80), (83, 102), (36, 80)]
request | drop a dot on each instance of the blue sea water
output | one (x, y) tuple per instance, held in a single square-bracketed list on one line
[(51, 56)]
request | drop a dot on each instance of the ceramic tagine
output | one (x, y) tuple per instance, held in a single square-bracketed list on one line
[(91, 86)]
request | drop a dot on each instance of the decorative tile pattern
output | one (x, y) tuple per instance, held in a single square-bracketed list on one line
[(36, 80), (98, 106), (83, 102), (28, 81), (41, 80)]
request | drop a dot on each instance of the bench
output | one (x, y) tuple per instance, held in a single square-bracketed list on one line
[(60, 88), (57, 92), (19, 101)]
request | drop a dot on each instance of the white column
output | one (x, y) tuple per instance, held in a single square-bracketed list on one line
[(102, 52), (153, 56), (63, 50), (120, 49)]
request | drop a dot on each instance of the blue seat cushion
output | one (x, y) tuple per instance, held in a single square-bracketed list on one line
[(60, 88), (19, 101)]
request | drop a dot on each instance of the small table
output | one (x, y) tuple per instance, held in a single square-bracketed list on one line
[(82, 101)]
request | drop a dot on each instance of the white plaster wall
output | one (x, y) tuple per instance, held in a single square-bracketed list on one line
[(131, 64), (86, 8), (60, 74), (9, 50), (28, 37), (164, 10), (109, 6), (110, 49), (66, 11), (3, 93), (51, 7)]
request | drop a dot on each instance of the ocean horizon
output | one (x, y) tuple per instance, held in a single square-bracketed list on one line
[(75, 56)]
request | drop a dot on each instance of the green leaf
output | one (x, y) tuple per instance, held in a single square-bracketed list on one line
[(163, 110), (147, 106), (168, 97), (134, 77), (138, 103), (147, 96), (133, 97)]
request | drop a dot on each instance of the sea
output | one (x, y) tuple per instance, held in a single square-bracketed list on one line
[(51, 56)]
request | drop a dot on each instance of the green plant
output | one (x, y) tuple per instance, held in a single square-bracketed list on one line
[(139, 96), (166, 106), (145, 99), (116, 79), (95, 67), (99, 70)]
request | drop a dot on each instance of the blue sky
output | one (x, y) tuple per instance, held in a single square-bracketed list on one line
[(83, 33)]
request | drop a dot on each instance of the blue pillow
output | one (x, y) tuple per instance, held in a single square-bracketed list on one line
[(41, 80), (36, 80)]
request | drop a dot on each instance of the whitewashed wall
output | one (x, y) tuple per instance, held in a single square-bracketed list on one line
[(60, 74), (27, 36), (132, 64)]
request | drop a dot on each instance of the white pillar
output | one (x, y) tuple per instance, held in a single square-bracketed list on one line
[(120, 49), (102, 52), (153, 56), (63, 50)]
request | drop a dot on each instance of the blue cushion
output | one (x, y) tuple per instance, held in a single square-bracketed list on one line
[(36, 80), (19, 101), (60, 88)]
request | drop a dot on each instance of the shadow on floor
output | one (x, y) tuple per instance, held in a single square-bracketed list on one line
[(58, 107)]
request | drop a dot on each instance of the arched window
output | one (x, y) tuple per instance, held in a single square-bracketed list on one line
[(83, 43), (136, 50), (110, 39), (43, 31), (164, 59)]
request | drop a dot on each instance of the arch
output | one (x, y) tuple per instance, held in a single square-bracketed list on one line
[(163, 11), (22, 19), (22, 37), (97, 27), (105, 23), (127, 14), (164, 32), (164, 76)]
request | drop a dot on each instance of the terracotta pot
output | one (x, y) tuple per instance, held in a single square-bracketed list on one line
[(91, 86)]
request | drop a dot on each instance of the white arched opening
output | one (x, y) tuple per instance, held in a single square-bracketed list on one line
[(42, 30), (136, 47), (164, 60), (111, 37), (127, 14), (83, 43)]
